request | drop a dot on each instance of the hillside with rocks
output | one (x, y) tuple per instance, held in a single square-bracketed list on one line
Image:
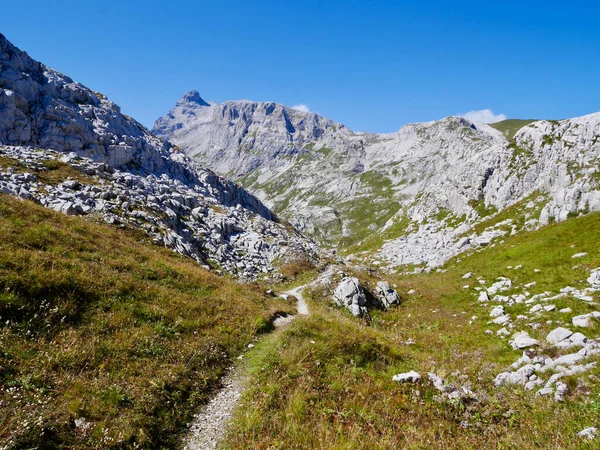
[(412, 198), (119, 171)]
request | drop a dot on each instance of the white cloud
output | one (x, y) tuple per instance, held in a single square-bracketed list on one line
[(483, 116), (301, 108)]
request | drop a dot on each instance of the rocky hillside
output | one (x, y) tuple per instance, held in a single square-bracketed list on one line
[(414, 197), (116, 168), (328, 180)]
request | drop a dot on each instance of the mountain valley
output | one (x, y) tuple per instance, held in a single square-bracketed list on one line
[(250, 275)]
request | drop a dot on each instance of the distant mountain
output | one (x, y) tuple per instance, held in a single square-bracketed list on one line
[(410, 197), (145, 181)]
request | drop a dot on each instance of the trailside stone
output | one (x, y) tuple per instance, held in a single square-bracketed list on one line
[(583, 321), (350, 294), (579, 255), (501, 320), (518, 377), (499, 286), (561, 391), (497, 311), (483, 297), (594, 278), (578, 339)]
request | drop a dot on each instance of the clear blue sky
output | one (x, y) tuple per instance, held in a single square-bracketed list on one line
[(373, 65)]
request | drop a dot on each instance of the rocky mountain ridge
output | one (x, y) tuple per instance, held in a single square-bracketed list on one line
[(413, 197), (48, 121)]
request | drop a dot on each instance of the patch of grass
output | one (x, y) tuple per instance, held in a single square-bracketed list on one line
[(482, 209), (291, 270), (57, 172), (100, 328), (376, 240), (510, 127)]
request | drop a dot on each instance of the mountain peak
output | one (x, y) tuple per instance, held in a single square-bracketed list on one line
[(193, 96)]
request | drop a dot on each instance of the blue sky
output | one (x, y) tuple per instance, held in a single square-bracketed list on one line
[(373, 65)]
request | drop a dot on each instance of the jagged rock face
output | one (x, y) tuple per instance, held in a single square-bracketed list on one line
[(268, 132), (422, 188), (146, 182), (326, 179), (46, 109), (191, 220)]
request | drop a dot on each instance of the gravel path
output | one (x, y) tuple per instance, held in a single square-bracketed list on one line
[(208, 427), (302, 306), (210, 424)]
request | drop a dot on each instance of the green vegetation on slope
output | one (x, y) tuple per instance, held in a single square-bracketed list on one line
[(107, 341), (510, 127), (327, 382)]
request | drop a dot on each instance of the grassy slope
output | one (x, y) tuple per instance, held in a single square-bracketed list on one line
[(510, 127), (337, 392), (98, 324)]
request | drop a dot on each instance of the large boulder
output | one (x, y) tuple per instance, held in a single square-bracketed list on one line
[(350, 294), (386, 295)]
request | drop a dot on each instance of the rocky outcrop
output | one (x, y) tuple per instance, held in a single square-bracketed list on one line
[(350, 295), (43, 108)]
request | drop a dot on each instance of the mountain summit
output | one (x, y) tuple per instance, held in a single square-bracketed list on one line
[(192, 97)]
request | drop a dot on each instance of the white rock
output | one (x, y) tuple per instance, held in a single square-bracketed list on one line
[(501, 320), (497, 311), (583, 321), (594, 278), (561, 391), (588, 433), (535, 308), (518, 377), (578, 339), (408, 377), (387, 295), (522, 340), (545, 391), (557, 335), (350, 294)]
